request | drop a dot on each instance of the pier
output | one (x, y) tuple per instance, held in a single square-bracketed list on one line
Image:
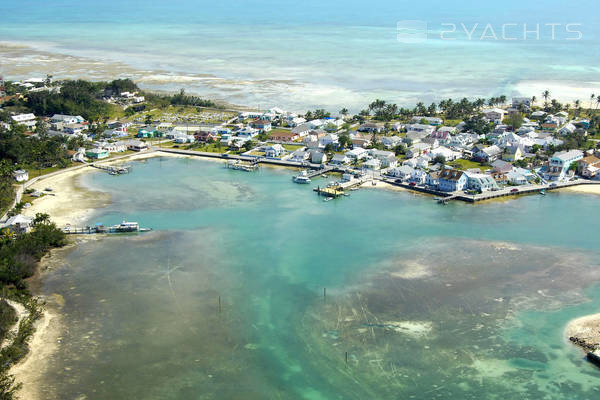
[(124, 227), (113, 170)]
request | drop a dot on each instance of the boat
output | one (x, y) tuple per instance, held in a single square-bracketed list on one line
[(127, 227), (328, 199), (594, 357), (543, 192), (302, 177)]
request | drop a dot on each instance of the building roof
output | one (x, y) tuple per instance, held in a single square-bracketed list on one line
[(451, 174)]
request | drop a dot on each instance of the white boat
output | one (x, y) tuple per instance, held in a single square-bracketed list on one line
[(127, 227), (302, 177)]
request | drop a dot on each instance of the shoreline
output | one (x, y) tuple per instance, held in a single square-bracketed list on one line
[(584, 332), (80, 64)]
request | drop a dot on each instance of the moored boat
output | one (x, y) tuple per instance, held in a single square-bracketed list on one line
[(302, 177)]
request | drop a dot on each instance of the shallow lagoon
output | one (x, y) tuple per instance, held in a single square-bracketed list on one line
[(428, 301)]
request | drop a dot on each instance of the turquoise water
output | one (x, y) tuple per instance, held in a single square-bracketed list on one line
[(426, 301), (298, 56)]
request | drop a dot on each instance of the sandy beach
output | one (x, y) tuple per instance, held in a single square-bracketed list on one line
[(584, 189), (585, 332)]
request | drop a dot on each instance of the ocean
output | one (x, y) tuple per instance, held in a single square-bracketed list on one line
[(250, 286), (314, 54)]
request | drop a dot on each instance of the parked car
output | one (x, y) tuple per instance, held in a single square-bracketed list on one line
[(515, 190), (413, 184), (552, 185), (398, 180)]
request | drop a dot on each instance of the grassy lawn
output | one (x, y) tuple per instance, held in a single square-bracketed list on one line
[(452, 122), (462, 164), (209, 148), (292, 147)]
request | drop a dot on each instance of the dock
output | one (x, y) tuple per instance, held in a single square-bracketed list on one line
[(242, 166), (332, 192), (124, 227), (113, 170)]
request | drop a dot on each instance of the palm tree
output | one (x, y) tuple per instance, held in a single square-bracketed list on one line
[(592, 96), (546, 96), (533, 99), (344, 111)]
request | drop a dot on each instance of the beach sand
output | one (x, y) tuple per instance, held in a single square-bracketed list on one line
[(585, 331), (584, 189)]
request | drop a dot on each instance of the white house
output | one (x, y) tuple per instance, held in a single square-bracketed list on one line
[(373, 164), (403, 172), (561, 162), (340, 159), (357, 153), (428, 129), (18, 223), (481, 182), (300, 156), (274, 151), (25, 119), (21, 175), (67, 119), (494, 114)]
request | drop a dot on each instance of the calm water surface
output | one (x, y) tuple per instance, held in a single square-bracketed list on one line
[(423, 301)]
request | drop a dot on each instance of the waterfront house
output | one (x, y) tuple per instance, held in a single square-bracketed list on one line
[(339, 159), (451, 180), (387, 158), (115, 147), (300, 156), (588, 167), (372, 164), (18, 224), (433, 179), (561, 162), (404, 172), (137, 145), (418, 176), (318, 157), (274, 151), (96, 153), (21, 175), (206, 137), (481, 182)]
